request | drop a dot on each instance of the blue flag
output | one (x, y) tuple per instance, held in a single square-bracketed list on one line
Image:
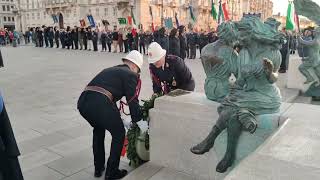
[(91, 21), (168, 23)]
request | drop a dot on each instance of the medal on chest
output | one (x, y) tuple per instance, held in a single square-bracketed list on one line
[(174, 82)]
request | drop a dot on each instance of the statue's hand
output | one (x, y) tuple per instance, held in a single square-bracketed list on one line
[(268, 65)]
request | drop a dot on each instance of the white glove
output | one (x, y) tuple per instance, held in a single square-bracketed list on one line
[(143, 125), (127, 124)]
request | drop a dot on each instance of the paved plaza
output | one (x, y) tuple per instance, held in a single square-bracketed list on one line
[(41, 88)]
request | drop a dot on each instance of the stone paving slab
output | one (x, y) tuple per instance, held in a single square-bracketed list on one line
[(42, 173), (37, 158)]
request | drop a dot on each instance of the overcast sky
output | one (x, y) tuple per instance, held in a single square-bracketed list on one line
[(282, 5)]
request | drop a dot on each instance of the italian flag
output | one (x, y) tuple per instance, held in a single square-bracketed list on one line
[(223, 12), (292, 22)]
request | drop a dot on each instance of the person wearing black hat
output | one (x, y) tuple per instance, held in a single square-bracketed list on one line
[(174, 43), (9, 164)]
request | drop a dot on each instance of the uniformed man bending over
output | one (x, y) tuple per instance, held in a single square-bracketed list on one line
[(97, 104), (168, 72)]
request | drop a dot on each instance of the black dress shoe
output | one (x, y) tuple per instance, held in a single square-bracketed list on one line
[(98, 172), (119, 174)]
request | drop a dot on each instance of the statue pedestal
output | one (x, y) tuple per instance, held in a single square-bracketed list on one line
[(295, 78), (178, 123)]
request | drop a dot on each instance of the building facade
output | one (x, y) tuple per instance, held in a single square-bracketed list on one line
[(7, 16), (35, 13)]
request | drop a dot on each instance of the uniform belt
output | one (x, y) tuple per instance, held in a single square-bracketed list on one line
[(100, 90)]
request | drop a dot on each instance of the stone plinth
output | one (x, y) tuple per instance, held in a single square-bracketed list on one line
[(295, 78), (178, 123)]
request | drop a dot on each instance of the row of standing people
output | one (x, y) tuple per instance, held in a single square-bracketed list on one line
[(177, 42)]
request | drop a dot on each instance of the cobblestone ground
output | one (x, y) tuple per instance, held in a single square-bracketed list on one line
[(41, 88)]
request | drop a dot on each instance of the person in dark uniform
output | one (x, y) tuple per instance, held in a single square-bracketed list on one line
[(183, 42), (95, 40), (85, 38), (46, 36), (168, 72), (56, 36), (109, 40), (68, 40), (75, 38), (97, 104), (193, 39), (104, 41), (9, 164), (203, 40), (142, 42), (40, 37), (63, 36), (174, 43), (51, 37)]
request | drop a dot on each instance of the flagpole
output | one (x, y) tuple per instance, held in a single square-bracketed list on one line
[(162, 16)]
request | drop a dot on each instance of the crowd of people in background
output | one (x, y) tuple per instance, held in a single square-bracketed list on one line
[(178, 41)]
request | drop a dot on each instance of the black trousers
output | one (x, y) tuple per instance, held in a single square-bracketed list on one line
[(283, 65), (76, 44), (193, 51), (51, 43), (95, 45), (40, 42), (104, 46), (102, 115), (57, 43), (109, 46), (85, 44), (46, 42), (142, 47), (126, 46)]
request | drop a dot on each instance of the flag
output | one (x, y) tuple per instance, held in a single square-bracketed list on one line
[(132, 15), (177, 21), (291, 17), (91, 21), (82, 23), (223, 12), (122, 20), (168, 23), (55, 19), (129, 20), (152, 26), (192, 14), (150, 11), (213, 11)]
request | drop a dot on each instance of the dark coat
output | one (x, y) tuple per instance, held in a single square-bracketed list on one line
[(120, 81), (56, 35), (175, 75), (9, 164), (174, 46), (51, 35), (193, 39), (164, 42), (104, 38), (1, 60), (183, 46), (89, 35)]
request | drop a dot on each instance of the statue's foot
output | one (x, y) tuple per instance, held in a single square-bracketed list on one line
[(207, 143), (201, 148), (308, 81), (224, 164)]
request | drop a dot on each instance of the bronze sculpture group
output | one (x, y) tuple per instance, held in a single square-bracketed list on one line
[(254, 93)]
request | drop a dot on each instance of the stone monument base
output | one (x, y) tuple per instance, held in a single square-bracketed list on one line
[(178, 123)]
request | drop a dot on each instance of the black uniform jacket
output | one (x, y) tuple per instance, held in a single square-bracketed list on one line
[(174, 75), (120, 81)]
